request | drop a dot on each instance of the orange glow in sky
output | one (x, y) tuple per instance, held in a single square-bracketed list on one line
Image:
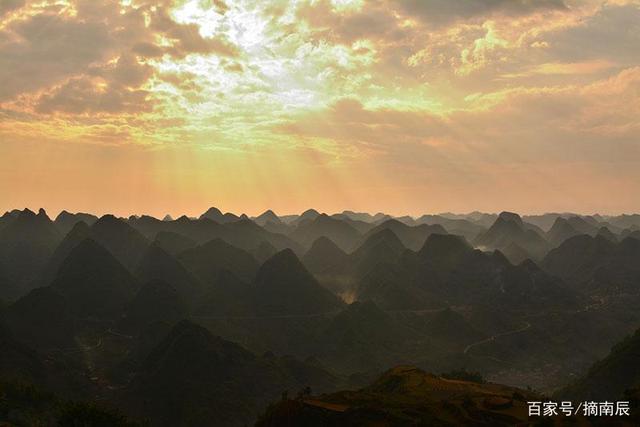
[(401, 106)]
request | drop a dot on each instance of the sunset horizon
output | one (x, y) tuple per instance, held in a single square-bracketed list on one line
[(195, 214)]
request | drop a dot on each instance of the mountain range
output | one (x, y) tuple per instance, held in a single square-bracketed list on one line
[(182, 321)]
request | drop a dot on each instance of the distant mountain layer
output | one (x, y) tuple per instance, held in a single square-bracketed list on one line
[(596, 263), (340, 232), (32, 247), (27, 240), (411, 237), (323, 255), (510, 229)]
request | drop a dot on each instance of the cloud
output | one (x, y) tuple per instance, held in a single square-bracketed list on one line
[(391, 98), (611, 33), (349, 123), (564, 68), (430, 40), (45, 48), (564, 122), (568, 145), (186, 38), (446, 11), (7, 6), (127, 72), (375, 20), (55, 54), (395, 20), (103, 90)]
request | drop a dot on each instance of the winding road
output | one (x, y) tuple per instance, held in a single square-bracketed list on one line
[(80, 349), (589, 307), (494, 337)]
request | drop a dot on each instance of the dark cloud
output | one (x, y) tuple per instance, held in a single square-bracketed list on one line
[(84, 95), (612, 33), (375, 20), (446, 11), (65, 55), (42, 50), (380, 19), (129, 72), (103, 90), (148, 50)]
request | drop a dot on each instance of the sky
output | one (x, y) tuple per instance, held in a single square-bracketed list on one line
[(400, 106)]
